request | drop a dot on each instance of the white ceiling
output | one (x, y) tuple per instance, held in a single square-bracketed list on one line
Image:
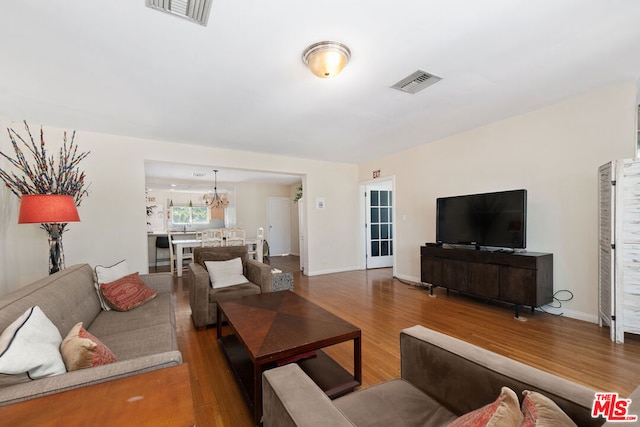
[(121, 68)]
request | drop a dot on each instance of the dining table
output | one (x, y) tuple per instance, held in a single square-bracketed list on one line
[(178, 249)]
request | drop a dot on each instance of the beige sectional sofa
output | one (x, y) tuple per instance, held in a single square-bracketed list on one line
[(143, 339), (441, 378)]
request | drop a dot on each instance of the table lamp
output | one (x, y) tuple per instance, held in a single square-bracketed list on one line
[(51, 209)]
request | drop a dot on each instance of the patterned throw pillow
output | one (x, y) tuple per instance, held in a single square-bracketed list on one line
[(126, 293), (540, 411), (503, 412), (30, 345), (82, 350)]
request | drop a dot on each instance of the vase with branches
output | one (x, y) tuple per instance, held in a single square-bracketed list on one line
[(43, 176)]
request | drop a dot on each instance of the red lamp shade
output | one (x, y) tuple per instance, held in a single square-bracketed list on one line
[(47, 208)]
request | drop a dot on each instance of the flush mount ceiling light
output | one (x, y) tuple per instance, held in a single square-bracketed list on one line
[(326, 59)]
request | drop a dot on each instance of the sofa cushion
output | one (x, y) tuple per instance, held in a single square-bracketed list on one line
[(31, 345), (82, 350), (126, 293), (223, 294), (540, 411), (393, 403), (109, 274), (142, 342), (155, 312), (502, 412), (220, 254), (225, 273)]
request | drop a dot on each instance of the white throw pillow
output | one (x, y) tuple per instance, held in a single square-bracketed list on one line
[(31, 344), (108, 275), (225, 273)]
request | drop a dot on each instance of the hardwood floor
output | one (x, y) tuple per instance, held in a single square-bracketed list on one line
[(381, 306)]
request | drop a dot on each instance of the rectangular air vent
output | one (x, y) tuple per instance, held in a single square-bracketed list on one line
[(193, 10), (416, 82)]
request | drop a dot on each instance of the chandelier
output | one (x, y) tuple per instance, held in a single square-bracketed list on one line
[(213, 199)]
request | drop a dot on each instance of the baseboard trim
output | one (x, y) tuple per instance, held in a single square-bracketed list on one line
[(331, 271)]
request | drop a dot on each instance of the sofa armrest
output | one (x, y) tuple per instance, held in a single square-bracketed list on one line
[(260, 274), (86, 377), (465, 377), (199, 285), (291, 398), (159, 282), (633, 409)]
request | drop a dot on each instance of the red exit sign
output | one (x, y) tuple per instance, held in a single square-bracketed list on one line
[(376, 174)]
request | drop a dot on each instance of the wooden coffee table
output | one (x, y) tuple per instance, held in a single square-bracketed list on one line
[(272, 327)]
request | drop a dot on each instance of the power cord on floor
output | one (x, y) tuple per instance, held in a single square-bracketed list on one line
[(415, 286), (557, 302)]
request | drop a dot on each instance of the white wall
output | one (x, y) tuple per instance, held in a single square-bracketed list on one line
[(553, 152), (113, 222)]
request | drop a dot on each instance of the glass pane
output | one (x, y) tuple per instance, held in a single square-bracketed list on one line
[(374, 198), (180, 214), (384, 231), (375, 232), (384, 248), (375, 250), (384, 214), (384, 198), (375, 216), (390, 247), (199, 215)]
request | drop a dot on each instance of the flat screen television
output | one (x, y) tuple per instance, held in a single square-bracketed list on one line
[(490, 219)]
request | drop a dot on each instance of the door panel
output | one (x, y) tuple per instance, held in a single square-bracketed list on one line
[(379, 221), (279, 230)]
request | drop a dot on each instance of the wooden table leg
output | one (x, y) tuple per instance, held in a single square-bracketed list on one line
[(257, 393), (218, 322), (357, 359)]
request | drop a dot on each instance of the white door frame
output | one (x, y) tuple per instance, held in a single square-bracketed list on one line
[(363, 233)]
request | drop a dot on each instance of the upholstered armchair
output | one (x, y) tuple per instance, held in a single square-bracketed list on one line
[(203, 297)]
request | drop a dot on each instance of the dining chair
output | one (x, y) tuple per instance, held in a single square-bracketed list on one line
[(235, 237), (212, 237), (162, 242), (188, 256)]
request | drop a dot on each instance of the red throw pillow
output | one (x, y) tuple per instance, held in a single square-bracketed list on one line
[(541, 411), (127, 293), (503, 412), (81, 350), (101, 355)]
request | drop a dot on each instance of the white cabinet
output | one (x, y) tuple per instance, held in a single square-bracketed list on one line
[(619, 252)]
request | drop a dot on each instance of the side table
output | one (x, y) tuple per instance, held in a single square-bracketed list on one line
[(281, 280)]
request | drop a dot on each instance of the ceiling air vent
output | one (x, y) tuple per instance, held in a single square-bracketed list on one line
[(193, 10), (416, 82)]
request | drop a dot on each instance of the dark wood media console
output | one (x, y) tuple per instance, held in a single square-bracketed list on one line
[(522, 279)]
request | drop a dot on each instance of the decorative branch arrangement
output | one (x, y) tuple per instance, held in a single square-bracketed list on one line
[(44, 177)]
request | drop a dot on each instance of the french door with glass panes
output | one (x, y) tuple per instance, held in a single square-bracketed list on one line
[(379, 224)]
